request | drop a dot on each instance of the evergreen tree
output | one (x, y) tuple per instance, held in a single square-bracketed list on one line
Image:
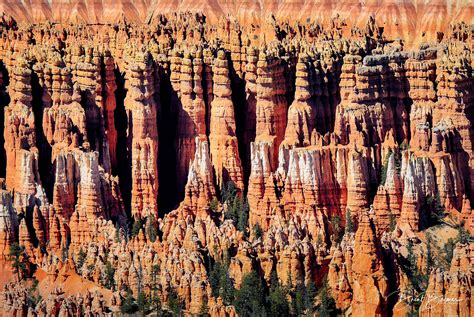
[(214, 205), (243, 215), (327, 306), (109, 276), (155, 299), (448, 250), (204, 310), (64, 253), (257, 231), (417, 281), (383, 171), (174, 303), (392, 221), (463, 235), (337, 230), (16, 251), (310, 294), (250, 298), (298, 302), (349, 224), (81, 258), (277, 299), (429, 254), (237, 207), (221, 283), (137, 225), (151, 230), (143, 303), (128, 303)]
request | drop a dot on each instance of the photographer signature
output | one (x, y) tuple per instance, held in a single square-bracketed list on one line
[(427, 301)]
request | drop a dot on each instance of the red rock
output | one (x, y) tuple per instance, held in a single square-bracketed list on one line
[(370, 287), (143, 136), (222, 138), (191, 113), (8, 223)]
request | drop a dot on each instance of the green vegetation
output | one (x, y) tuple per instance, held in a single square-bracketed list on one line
[(250, 298), (221, 283), (33, 296), (81, 258), (214, 205), (392, 221), (143, 303), (128, 303), (151, 230), (174, 303), (431, 212), (237, 207), (109, 276), (136, 226), (278, 298), (463, 236), (155, 301), (204, 310), (417, 280), (430, 261), (349, 224), (64, 253), (337, 229), (327, 306), (257, 231), (303, 299), (16, 252)]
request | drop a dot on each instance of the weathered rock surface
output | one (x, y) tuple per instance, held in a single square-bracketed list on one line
[(138, 158)]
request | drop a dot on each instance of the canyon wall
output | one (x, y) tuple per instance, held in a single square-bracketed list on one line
[(138, 159)]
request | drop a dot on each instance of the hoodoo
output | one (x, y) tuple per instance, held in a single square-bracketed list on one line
[(236, 158)]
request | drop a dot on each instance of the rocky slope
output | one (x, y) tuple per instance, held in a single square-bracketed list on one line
[(138, 159), (409, 19)]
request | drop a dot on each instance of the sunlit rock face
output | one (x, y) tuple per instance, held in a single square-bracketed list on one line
[(169, 156)]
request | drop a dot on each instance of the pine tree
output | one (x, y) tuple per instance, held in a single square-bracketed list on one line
[(64, 253), (16, 251), (128, 303), (448, 250), (257, 231), (137, 225), (337, 228), (151, 230), (310, 294), (277, 299), (392, 221), (155, 299), (463, 235), (204, 310), (349, 224), (81, 258), (429, 254), (327, 305), (243, 215), (250, 298), (221, 283), (298, 300), (174, 303), (109, 276), (214, 205), (143, 303)]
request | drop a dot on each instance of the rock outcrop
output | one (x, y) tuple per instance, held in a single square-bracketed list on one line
[(172, 158)]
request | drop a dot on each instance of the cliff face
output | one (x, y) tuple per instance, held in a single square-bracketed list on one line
[(408, 19), (173, 158)]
